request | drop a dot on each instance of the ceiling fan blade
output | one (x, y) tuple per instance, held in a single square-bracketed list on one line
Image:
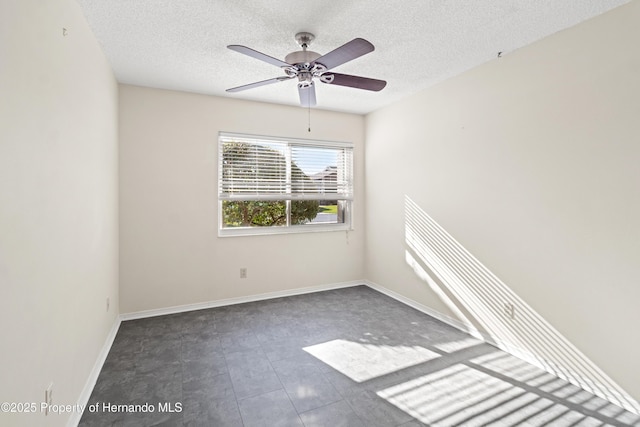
[(258, 84), (353, 81), (345, 53), (307, 95), (258, 55)]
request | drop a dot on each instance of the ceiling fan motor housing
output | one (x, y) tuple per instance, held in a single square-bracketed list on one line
[(302, 57)]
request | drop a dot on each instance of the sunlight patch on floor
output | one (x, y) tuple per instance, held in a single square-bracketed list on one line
[(362, 362), (461, 395), (448, 396)]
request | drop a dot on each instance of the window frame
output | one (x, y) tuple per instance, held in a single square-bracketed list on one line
[(347, 202)]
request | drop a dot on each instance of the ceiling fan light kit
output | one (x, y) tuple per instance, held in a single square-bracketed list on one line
[(306, 65)]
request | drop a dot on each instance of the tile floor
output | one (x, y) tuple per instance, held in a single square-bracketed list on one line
[(347, 357)]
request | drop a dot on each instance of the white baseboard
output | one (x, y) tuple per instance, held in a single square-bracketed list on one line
[(469, 329), (102, 356), (95, 372), (615, 397), (514, 351), (238, 300)]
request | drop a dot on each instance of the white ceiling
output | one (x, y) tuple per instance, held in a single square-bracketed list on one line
[(181, 45)]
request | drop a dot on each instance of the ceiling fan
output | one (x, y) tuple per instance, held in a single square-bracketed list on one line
[(306, 66)]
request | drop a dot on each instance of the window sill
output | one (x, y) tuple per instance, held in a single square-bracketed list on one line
[(296, 229)]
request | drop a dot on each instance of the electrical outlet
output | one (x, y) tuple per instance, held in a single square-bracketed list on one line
[(510, 310), (108, 303), (243, 273), (48, 398)]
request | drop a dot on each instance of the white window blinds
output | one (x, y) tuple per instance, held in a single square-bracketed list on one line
[(256, 168)]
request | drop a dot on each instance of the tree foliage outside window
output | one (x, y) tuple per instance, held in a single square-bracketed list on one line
[(264, 212), (269, 183), (268, 213)]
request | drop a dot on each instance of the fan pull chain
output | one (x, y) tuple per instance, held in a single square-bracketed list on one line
[(309, 117)]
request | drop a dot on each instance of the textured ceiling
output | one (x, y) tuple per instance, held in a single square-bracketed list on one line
[(181, 45)]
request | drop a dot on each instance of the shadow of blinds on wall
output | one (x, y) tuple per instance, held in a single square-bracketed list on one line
[(508, 319)]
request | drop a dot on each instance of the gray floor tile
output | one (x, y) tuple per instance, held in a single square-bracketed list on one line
[(281, 330), (272, 409), (343, 384), (338, 414), (202, 411), (253, 364), (251, 359), (251, 373), (113, 386), (413, 423), (234, 342), (299, 365), (252, 383), (157, 356), (375, 411), (310, 391), (207, 366), (212, 386), (101, 419), (284, 348), (305, 383), (157, 387), (155, 419), (208, 339)]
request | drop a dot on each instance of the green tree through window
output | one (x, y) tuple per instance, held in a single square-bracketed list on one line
[(265, 212), (271, 185)]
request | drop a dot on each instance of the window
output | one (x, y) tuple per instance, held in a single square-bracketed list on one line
[(268, 185)]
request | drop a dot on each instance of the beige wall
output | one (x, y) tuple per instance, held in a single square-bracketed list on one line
[(170, 253), (58, 204), (531, 162)]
